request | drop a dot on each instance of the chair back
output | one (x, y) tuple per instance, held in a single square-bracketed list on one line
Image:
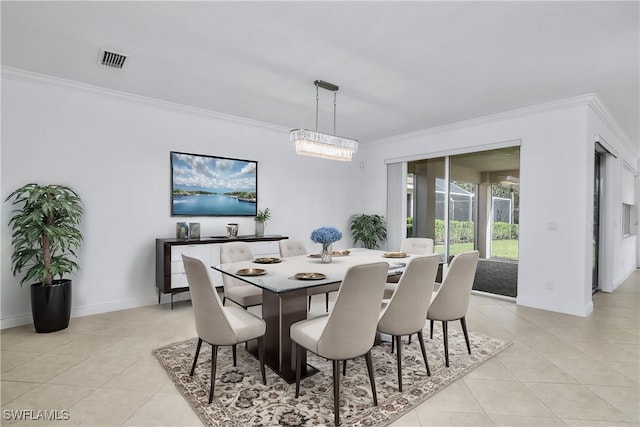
[(351, 327), (406, 312), (234, 252), (417, 245), (452, 300), (291, 248), (211, 323)]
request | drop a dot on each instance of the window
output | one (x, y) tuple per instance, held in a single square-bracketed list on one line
[(628, 220)]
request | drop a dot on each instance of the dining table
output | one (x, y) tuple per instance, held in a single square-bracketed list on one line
[(284, 283)]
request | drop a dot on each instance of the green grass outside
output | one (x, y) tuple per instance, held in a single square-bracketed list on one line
[(500, 249)]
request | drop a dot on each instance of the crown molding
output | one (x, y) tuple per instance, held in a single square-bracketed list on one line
[(584, 100), (18, 74), (607, 118)]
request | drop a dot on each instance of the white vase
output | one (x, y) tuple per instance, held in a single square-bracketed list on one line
[(259, 228)]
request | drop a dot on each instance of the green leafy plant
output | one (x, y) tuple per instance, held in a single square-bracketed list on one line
[(368, 229), (44, 232), (263, 215)]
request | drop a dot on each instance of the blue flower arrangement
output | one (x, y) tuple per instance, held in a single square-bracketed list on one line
[(326, 235)]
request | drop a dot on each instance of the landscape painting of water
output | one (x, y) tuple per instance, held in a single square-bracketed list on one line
[(204, 185)]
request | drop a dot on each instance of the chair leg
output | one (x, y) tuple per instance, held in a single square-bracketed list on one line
[(298, 350), (309, 302), (367, 357), (223, 300), (446, 343), (344, 368), (424, 353), (393, 345), (214, 363), (463, 322), (261, 358), (336, 391), (398, 340), (410, 338), (195, 359), (235, 353), (326, 302), (431, 329)]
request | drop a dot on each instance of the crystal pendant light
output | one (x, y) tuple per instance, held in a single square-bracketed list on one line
[(317, 144)]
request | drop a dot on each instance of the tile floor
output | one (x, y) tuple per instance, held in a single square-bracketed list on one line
[(560, 370)]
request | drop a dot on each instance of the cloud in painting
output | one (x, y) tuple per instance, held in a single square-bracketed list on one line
[(216, 175)]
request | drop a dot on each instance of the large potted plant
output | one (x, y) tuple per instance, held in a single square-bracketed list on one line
[(45, 236), (371, 230)]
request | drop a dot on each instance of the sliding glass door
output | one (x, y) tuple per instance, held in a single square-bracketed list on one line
[(469, 201)]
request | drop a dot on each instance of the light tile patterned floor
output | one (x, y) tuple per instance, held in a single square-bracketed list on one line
[(561, 370)]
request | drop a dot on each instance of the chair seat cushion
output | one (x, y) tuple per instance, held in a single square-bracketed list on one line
[(246, 325), (246, 296), (307, 332)]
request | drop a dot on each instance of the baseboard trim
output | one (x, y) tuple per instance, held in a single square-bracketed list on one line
[(490, 295), (88, 310), (558, 308)]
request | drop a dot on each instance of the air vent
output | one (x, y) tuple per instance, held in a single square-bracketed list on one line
[(111, 59)]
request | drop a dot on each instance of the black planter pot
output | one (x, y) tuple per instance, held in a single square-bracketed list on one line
[(51, 306)]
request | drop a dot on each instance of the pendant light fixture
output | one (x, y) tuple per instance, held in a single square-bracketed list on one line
[(325, 146)]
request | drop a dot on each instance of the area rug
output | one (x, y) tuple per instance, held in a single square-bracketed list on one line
[(241, 400), (497, 276)]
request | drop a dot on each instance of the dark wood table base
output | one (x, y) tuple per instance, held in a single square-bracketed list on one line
[(280, 311)]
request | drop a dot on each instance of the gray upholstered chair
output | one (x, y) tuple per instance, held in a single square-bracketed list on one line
[(451, 301), (243, 294), (417, 245), (413, 246), (292, 248), (219, 325), (406, 312), (289, 247), (349, 330)]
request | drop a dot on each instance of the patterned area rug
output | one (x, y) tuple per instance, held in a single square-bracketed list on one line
[(241, 400)]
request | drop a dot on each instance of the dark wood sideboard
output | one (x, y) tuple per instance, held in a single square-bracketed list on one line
[(170, 277)]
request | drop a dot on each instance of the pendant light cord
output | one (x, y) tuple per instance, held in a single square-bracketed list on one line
[(332, 88)]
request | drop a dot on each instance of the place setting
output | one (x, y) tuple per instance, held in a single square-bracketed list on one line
[(267, 260), (251, 272), (309, 276), (395, 255), (333, 254)]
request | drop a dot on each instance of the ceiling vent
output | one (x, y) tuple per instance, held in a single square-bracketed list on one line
[(111, 59)]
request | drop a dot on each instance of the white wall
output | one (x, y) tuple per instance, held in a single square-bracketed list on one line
[(114, 151), (554, 155)]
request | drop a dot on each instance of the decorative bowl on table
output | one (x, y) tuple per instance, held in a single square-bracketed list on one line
[(267, 260), (310, 276), (333, 254), (251, 272), (395, 255), (340, 253)]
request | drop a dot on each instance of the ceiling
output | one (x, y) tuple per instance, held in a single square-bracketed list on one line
[(401, 66)]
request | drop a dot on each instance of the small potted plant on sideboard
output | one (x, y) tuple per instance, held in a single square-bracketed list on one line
[(261, 219), (45, 236)]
